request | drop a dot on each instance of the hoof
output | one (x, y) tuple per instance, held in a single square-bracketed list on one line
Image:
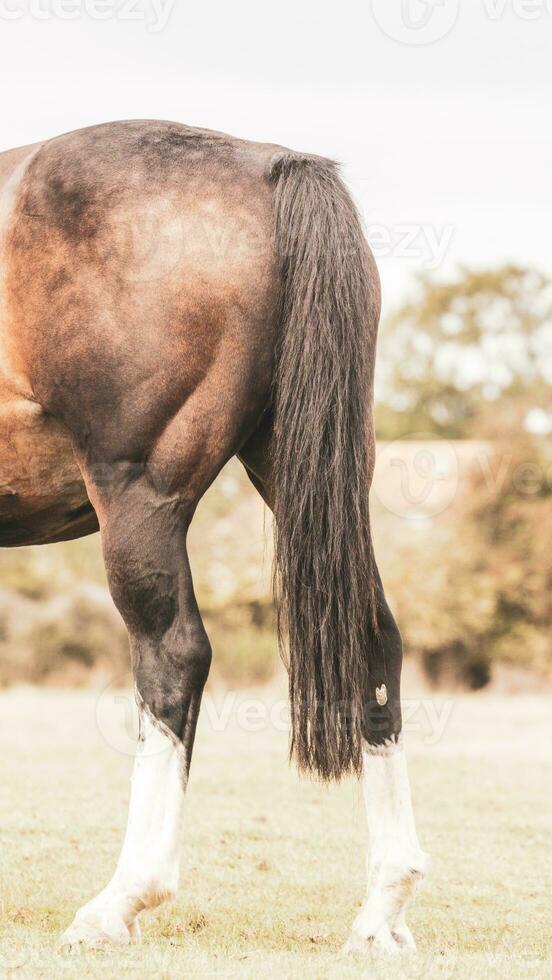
[(92, 930), (383, 942), (404, 938)]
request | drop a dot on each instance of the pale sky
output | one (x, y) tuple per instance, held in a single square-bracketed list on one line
[(446, 146)]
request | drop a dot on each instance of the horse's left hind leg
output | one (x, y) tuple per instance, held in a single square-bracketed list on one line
[(395, 863), (144, 543)]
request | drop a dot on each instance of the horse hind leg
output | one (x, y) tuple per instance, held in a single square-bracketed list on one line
[(396, 864), (144, 522)]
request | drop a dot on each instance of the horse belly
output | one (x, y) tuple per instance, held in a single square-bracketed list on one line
[(42, 494)]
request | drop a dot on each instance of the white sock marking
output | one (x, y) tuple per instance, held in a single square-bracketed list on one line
[(148, 868), (395, 860)]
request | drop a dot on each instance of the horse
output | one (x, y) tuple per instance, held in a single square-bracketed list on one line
[(171, 297)]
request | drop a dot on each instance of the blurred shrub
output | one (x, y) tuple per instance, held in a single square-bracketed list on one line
[(476, 589), (243, 638), (60, 640)]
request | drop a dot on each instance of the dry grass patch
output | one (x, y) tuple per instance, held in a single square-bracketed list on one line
[(273, 865)]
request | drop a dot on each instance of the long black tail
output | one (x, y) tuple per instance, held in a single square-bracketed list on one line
[(323, 460)]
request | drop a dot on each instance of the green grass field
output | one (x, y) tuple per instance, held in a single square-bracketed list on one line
[(273, 866)]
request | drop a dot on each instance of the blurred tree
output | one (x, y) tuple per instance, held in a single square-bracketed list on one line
[(459, 346)]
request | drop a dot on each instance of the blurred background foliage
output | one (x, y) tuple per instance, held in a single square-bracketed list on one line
[(468, 359), (472, 591), (459, 347)]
